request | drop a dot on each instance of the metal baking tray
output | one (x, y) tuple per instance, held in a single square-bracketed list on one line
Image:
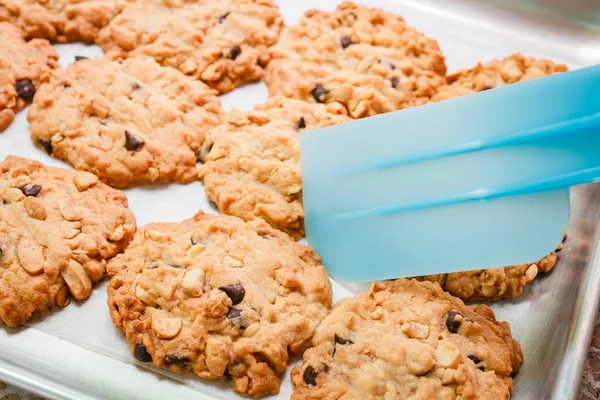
[(77, 354)]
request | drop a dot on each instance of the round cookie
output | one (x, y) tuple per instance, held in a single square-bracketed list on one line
[(57, 229), (406, 340), (130, 122), (496, 283), (492, 284), (23, 67), (252, 161), (220, 297), (221, 42), (60, 20), (368, 60), (512, 69)]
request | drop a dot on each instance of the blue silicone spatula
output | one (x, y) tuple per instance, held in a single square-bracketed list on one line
[(475, 182)]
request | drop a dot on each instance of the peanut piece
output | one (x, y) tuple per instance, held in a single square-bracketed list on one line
[(166, 328), (448, 355), (414, 330), (77, 280), (31, 256), (62, 297), (84, 180), (217, 357), (20, 181), (34, 208), (193, 280), (287, 278)]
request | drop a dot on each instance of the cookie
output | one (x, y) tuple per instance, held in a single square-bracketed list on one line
[(60, 20), (220, 297), (366, 59), (130, 122), (221, 42), (252, 161), (408, 340), (512, 69), (57, 229), (23, 67), (495, 283)]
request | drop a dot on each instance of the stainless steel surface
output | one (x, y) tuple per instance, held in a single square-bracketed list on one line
[(77, 354)]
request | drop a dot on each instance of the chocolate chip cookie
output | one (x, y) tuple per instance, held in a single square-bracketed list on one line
[(408, 340), (366, 59), (60, 20), (495, 283), (23, 67), (221, 42), (512, 69), (57, 229), (252, 161), (218, 296), (130, 122)]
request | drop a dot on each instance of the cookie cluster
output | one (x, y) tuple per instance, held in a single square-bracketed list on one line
[(233, 297)]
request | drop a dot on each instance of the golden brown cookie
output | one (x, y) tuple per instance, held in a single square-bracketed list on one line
[(492, 284), (512, 69), (60, 20), (220, 297), (408, 340), (221, 42), (23, 67), (130, 122), (57, 229), (366, 59), (252, 161), (496, 283)]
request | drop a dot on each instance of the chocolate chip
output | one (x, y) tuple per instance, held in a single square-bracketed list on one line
[(66, 85), (47, 145), (31, 190), (131, 142), (25, 89), (135, 87), (319, 92), (223, 17), (486, 88), (340, 340), (301, 123), (174, 360), (392, 65), (102, 123), (79, 58), (235, 292), (453, 321), (345, 41), (325, 368), (478, 362), (234, 52), (141, 353), (267, 237), (310, 376), (395, 82), (1, 253), (234, 313)]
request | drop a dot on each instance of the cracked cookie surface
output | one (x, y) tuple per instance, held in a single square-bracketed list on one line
[(221, 42), (130, 122), (366, 59), (220, 297), (252, 161), (512, 69), (24, 66), (57, 229), (60, 20), (405, 340)]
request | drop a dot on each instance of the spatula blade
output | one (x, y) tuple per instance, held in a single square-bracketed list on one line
[(501, 232)]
